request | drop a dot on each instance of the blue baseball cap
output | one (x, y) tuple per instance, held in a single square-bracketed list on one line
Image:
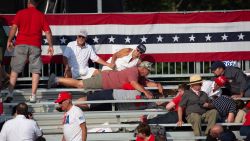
[(217, 64), (142, 48)]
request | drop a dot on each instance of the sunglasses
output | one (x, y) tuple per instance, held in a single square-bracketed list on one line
[(140, 51)]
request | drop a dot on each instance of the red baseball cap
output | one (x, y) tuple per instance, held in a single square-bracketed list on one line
[(63, 96), (221, 80)]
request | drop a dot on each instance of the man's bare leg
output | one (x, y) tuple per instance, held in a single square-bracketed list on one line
[(13, 79), (35, 82), (70, 82)]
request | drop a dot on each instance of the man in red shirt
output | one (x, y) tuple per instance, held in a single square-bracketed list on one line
[(30, 23), (172, 107), (111, 79)]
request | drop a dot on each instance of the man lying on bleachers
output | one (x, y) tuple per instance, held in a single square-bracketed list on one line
[(196, 106), (112, 80)]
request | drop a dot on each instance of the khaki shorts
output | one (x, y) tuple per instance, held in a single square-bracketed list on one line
[(93, 82), (24, 52)]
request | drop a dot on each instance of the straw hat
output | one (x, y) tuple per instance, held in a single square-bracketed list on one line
[(195, 79)]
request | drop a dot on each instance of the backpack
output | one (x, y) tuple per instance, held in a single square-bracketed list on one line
[(159, 132)]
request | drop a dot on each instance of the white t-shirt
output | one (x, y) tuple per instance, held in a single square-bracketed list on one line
[(78, 59), (71, 124), (20, 129), (208, 86), (123, 62)]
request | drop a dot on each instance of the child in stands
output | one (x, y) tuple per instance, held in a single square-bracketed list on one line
[(144, 133)]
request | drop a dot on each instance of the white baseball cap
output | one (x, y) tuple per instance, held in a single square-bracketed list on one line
[(83, 33)]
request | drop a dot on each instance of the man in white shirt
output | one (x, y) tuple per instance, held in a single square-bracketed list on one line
[(74, 123), (213, 88), (20, 128), (76, 57)]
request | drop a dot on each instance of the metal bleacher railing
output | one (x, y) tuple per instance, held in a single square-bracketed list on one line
[(165, 72)]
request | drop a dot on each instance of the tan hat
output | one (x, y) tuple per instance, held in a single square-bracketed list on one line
[(83, 33), (195, 79), (146, 65)]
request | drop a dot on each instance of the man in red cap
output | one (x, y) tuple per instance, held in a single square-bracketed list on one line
[(74, 123)]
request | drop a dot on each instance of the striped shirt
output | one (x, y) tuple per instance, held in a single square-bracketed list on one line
[(224, 106)]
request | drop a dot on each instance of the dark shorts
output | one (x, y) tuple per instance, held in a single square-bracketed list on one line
[(101, 95), (24, 52)]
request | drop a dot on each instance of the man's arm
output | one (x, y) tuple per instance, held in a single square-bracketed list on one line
[(67, 70), (154, 84), (100, 61), (140, 88), (12, 33), (119, 54), (38, 132), (180, 114), (230, 118), (48, 35), (170, 105), (84, 131)]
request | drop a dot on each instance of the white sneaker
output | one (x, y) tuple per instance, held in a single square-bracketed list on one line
[(33, 99)]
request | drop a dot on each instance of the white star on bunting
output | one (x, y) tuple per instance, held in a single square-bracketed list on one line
[(159, 38), (63, 40), (127, 40), (176, 38), (191, 38), (45, 41), (224, 37), (111, 39), (144, 39), (241, 36), (96, 39), (208, 37)]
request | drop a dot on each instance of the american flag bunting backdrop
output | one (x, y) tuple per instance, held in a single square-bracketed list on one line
[(169, 37)]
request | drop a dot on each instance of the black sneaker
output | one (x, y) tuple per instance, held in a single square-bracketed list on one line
[(52, 81)]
